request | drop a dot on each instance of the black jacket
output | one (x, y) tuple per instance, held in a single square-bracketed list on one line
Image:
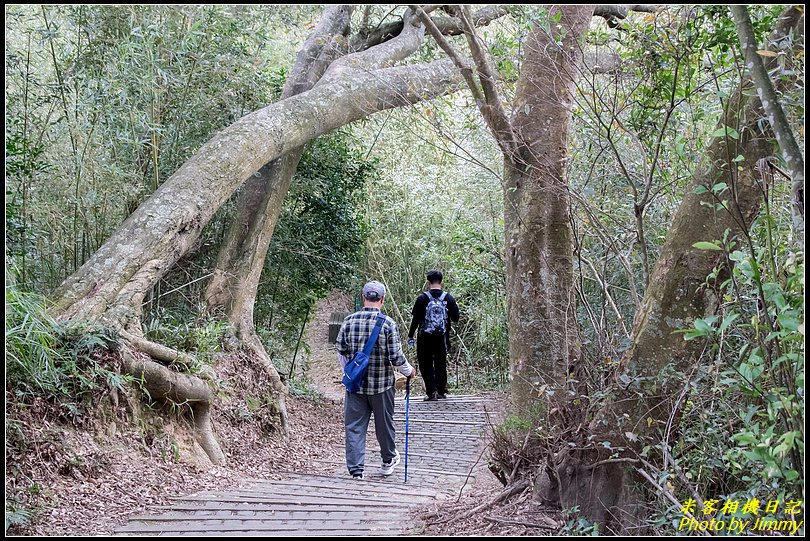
[(420, 306)]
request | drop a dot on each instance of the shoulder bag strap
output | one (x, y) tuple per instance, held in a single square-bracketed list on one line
[(374, 334)]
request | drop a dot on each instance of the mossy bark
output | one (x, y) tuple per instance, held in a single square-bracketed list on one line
[(543, 337)]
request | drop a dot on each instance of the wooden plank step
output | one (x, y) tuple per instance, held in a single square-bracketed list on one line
[(444, 412), (420, 399), (263, 529), (449, 435), (451, 397), (359, 497), (355, 490), (418, 470), (382, 484), (239, 526), (311, 500), (249, 507), (449, 456), (315, 514), (418, 420), (345, 485)]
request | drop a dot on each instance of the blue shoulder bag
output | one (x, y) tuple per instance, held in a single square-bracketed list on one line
[(354, 375)]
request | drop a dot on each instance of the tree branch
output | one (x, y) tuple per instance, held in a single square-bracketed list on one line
[(482, 17), (334, 22), (492, 108), (773, 110), (462, 64), (382, 55), (508, 492), (446, 25), (613, 12)]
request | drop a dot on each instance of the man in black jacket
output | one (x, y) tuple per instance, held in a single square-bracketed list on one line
[(432, 313)]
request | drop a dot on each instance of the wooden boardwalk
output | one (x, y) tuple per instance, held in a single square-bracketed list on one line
[(445, 441)]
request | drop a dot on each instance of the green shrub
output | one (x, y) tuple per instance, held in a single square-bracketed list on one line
[(51, 360)]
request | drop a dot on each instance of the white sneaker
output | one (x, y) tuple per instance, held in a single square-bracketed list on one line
[(387, 468)]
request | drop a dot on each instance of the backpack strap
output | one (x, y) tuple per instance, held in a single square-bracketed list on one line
[(442, 296), (374, 334)]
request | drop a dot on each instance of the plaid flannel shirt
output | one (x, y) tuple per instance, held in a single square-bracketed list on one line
[(385, 354)]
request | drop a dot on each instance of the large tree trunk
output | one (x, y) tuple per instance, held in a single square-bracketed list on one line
[(609, 492), (675, 297), (110, 287), (543, 347), (235, 279), (111, 284)]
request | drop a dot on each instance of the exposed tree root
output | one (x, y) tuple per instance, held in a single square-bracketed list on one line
[(165, 354), (165, 385), (248, 335)]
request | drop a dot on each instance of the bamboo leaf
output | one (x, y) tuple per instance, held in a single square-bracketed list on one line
[(706, 246)]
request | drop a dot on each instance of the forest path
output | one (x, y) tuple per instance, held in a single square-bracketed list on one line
[(445, 442), (321, 365)]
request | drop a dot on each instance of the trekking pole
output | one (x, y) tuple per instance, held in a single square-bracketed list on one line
[(407, 408)]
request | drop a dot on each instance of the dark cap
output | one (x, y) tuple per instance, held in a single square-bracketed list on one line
[(373, 291)]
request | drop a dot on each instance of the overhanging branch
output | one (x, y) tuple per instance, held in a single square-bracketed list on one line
[(492, 107), (613, 12), (447, 26), (462, 64)]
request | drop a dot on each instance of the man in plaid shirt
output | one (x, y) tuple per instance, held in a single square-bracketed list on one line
[(376, 396)]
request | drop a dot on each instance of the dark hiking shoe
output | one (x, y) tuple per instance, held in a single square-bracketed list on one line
[(432, 397), (442, 395), (359, 476)]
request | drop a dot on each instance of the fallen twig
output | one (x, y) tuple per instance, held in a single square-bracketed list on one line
[(511, 491), (668, 495)]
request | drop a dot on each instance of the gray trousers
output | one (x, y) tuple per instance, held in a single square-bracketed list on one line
[(357, 410)]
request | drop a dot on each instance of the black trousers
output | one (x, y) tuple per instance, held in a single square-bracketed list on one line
[(431, 351)]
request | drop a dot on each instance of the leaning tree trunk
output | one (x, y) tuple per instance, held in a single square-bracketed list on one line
[(241, 259), (543, 347), (675, 297), (235, 280), (110, 287), (609, 492), (257, 208)]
